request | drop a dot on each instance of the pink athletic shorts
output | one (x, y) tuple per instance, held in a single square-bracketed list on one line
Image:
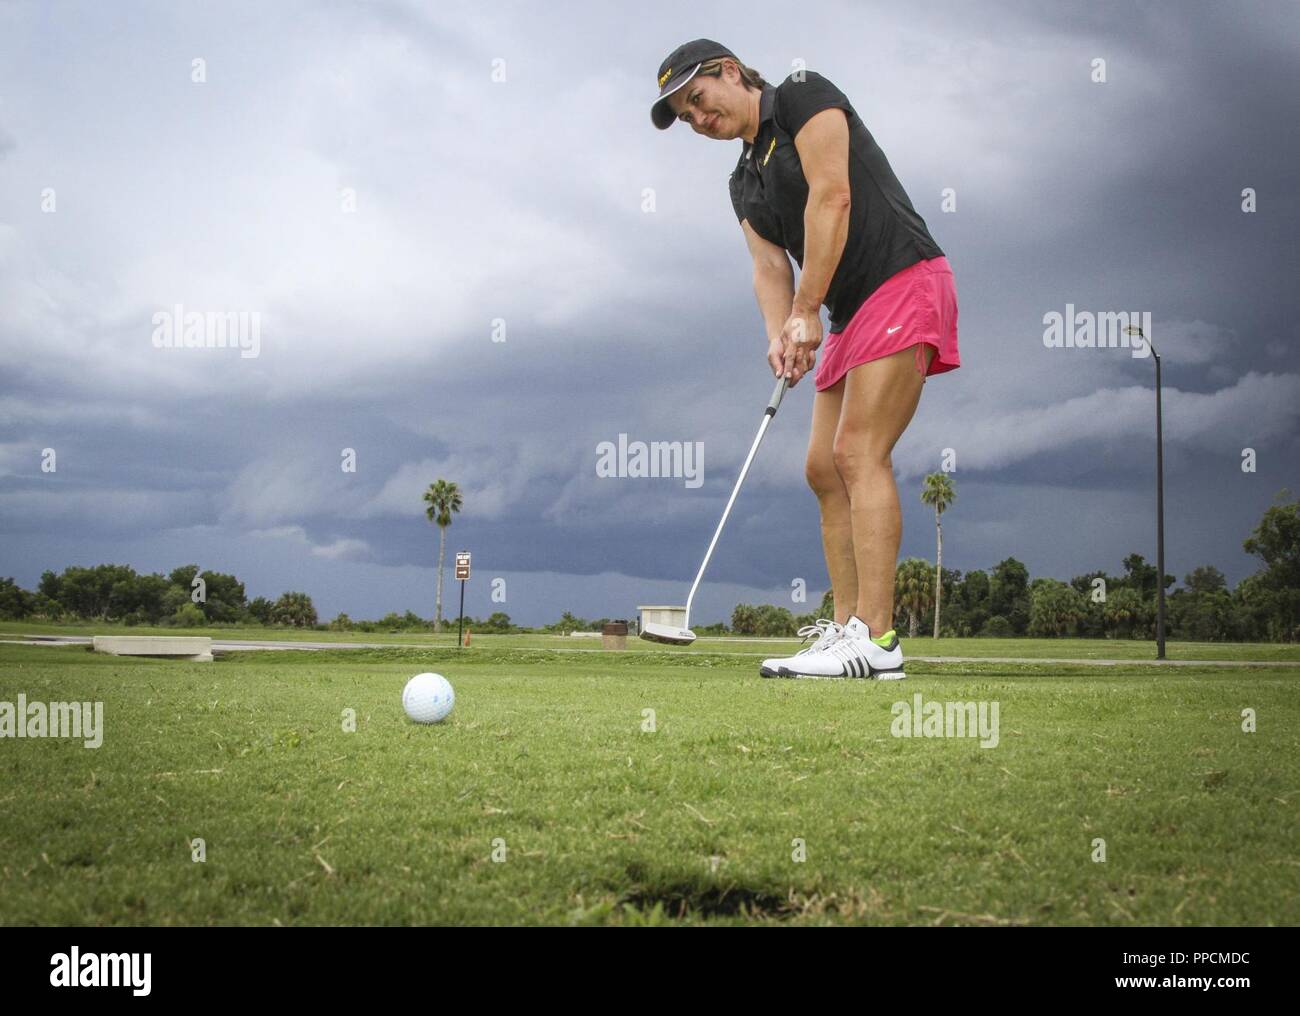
[(917, 305)]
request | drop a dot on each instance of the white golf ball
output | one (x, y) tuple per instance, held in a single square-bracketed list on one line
[(428, 698)]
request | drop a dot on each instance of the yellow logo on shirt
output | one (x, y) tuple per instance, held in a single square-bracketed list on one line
[(770, 148), (665, 76)]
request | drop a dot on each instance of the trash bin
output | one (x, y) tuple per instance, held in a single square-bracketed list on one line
[(614, 635)]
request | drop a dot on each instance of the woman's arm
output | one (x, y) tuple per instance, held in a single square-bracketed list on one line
[(823, 146), (774, 287)]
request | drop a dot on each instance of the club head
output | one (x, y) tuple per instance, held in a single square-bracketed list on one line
[(667, 635)]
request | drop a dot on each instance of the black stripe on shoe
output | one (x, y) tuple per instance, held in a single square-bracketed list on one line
[(853, 664)]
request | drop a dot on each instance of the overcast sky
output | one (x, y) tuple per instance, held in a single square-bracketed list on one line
[(392, 186)]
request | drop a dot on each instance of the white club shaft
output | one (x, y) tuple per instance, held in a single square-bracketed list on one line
[(758, 439)]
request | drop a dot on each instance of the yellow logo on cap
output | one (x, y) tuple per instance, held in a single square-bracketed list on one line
[(770, 149), (665, 76)]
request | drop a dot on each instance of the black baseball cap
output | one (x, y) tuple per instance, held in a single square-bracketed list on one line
[(682, 65)]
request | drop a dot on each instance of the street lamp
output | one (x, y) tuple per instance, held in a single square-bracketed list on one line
[(1160, 502)]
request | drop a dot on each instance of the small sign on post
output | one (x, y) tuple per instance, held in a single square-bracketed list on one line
[(462, 573)]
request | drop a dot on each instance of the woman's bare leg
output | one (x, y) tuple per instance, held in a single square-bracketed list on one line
[(833, 499), (878, 403)]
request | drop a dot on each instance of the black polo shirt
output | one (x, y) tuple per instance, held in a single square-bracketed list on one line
[(768, 188)]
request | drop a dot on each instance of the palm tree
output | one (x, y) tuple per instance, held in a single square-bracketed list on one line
[(294, 609), (938, 492), (912, 590), (443, 498)]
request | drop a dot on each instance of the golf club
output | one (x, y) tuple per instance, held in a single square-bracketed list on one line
[(683, 636)]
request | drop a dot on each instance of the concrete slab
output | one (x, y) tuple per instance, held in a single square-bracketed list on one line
[(197, 648)]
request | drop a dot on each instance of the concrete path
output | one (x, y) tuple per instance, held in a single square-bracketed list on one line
[(241, 645)]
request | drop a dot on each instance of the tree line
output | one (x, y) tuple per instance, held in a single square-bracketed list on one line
[(188, 597), (1004, 602), (1000, 602), (184, 598)]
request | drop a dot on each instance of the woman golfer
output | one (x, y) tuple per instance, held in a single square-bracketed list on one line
[(812, 184)]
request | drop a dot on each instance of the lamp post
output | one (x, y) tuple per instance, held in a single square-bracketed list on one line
[(1160, 502)]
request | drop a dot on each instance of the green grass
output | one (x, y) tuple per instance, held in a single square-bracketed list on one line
[(1083, 649), (305, 823)]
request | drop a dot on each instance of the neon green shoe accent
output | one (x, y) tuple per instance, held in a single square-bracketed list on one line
[(884, 640)]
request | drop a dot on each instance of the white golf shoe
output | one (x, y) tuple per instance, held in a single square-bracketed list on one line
[(827, 632), (852, 653)]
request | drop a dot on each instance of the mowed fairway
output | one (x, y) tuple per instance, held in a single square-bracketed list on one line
[(546, 762)]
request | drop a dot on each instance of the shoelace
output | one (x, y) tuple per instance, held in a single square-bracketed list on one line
[(827, 632)]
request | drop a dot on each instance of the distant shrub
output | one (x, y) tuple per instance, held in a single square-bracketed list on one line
[(997, 627), (188, 615)]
